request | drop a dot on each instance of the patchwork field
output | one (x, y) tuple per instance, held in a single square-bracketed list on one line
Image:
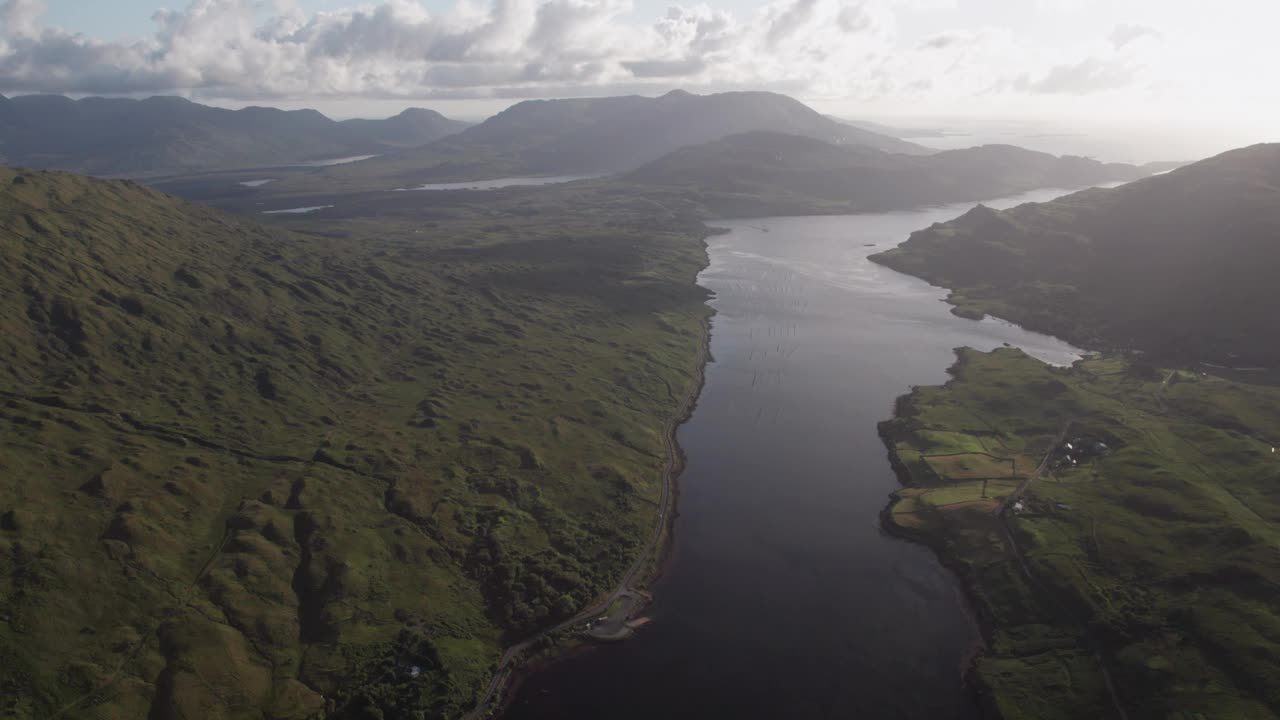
[(1142, 580)]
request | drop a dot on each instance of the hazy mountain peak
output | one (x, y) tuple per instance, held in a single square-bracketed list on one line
[(168, 134), (610, 134), (1264, 157), (768, 172), (167, 100), (418, 113)]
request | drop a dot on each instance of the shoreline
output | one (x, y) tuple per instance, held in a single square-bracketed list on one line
[(511, 673), (659, 559), (662, 555), (973, 607)]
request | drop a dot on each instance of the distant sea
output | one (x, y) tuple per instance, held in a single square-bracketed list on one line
[(1128, 145)]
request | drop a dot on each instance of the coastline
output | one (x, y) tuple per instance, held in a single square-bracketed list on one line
[(512, 671), (977, 611), (967, 587), (662, 554), (658, 560)]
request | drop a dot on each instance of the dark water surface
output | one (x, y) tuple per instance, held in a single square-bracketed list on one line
[(783, 598)]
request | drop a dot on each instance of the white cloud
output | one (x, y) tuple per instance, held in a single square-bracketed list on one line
[(220, 48), (1087, 76), (21, 18), (1125, 33), (1085, 55)]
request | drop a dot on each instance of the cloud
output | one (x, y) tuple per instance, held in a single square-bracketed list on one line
[(1087, 76), (21, 18), (851, 50), (664, 68), (946, 39), (397, 48), (788, 20), (1125, 33)]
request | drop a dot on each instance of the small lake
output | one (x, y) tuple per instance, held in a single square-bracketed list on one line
[(498, 183), (329, 162), (297, 210), (783, 598), (257, 183)]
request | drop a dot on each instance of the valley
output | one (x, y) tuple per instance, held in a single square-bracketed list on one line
[(367, 418)]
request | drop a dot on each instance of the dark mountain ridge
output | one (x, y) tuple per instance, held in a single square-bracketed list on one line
[(1181, 264), (604, 135), (765, 173), (169, 135), (411, 128)]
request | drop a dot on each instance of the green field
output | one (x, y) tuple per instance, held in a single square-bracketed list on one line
[(973, 465), (252, 472), (1155, 566)]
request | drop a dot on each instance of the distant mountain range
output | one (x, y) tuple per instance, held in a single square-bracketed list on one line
[(170, 135), (1182, 265), (765, 173), (606, 135)]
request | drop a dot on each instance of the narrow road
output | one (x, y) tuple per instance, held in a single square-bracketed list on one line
[(509, 660), (1161, 390), (1023, 565), (1044, 465)]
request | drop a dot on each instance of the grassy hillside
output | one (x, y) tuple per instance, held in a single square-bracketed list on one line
[(253, 473), (766, 173), (168, 135), (1181, 264), (1142, 577), (594, 136)]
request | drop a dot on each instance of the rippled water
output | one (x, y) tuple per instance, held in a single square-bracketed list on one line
[(783, 597)]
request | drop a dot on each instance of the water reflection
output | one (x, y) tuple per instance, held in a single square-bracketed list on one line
[(783, 598)]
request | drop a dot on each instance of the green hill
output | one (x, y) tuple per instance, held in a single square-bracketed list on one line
[(766, 173), (1180, 264), (170, 135), (253, 473)]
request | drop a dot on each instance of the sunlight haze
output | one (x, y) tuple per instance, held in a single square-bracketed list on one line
[(639, 360), (1124, 68)]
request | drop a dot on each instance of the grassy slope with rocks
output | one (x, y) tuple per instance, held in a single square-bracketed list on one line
[(249, 472), (1180, 264), (1154, 567)]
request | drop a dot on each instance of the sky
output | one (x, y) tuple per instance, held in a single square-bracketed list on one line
[(1146, 67)]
